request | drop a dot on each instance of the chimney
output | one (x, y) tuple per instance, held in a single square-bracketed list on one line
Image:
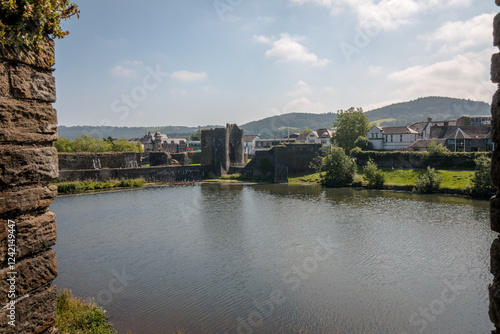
[(446, 123), (429, 119)]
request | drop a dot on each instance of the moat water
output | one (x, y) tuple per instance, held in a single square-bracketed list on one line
[(278, 259)]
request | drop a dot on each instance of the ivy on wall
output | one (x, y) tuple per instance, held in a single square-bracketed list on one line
[(26, 22)]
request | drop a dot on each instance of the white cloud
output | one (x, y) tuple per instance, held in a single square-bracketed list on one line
[(288, 49), (120, 71), (304, 104), (464, 76), (189, 76), (329, 89), (262, 39), (384, 14), (299, 89), (461, 35)]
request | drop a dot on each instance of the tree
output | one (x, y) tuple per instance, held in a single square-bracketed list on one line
[(123, 145), (428, 182), (436, 150), (85, 143), (340, 169), (26, 22), (350, 125), (482, 186), (363, 143), (374, 176), (196, 136), (305, 131)]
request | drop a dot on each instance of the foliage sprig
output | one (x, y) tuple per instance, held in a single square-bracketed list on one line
[(26, 22)]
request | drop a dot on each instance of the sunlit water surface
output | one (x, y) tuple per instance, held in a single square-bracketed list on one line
[(278, 259)]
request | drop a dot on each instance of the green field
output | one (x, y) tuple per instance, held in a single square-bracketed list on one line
[(453, 180)]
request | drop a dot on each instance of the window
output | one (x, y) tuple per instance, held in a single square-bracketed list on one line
[(392, 138), (401, 138)]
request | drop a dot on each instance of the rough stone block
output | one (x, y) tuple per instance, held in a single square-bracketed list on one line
[(496, 30), (28, 55), (32, 273), (33, 234), (26, 165), (20, 82), (4, 81), (494, 311), (495, 168), (495, 257), (495, 213), (495, 113), (34, 314), (497, 2), (27, 199), (495, 68), (43, 86), (27, 122)]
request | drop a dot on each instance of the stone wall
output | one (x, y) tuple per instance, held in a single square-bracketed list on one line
[(280, 162), (72, 161), (28, 126), (494, 289), (222, 149), (150, 174)]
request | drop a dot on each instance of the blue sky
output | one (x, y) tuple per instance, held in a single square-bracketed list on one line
[(197, 62)]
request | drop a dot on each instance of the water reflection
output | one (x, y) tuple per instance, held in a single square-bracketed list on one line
[(217, 258)]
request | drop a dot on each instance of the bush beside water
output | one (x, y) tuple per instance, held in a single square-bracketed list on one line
[(75, 187)]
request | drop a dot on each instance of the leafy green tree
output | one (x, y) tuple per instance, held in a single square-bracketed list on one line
[(482, 186), (64, 145), (26, 22), (340, 169), (428, 182), (350, 125), (140, 148), (374, 176), (305, 131), (123, 145), (85, 143), (436, 150), (363, 143), (196, 136)]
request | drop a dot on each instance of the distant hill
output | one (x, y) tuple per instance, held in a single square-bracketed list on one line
[(405, 113), (293, 122), (127, 132), (439, 108)]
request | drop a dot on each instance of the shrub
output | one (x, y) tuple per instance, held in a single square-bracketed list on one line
[(340, 169), (75, 315), (358, 181), (374, 176), (482, 186), (428, 182), (355, 151), (435, 150), (26, 22), (363, 143)]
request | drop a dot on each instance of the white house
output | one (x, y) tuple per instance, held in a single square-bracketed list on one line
[(392, 138), (249, 143)]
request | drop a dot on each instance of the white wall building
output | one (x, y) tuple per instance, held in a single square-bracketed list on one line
[(392, 138)]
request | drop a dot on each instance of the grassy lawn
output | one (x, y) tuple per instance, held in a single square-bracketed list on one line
[(311, 178), (75, 187), (455, 180)]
